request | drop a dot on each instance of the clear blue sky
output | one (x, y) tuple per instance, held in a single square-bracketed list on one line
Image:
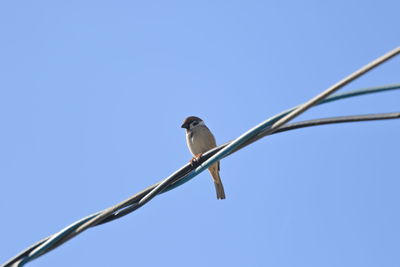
[(92, 96)]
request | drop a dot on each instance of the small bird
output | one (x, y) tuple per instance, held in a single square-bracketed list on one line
[(199, 140)]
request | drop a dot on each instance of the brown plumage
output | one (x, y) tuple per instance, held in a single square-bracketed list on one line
[(199, 140)]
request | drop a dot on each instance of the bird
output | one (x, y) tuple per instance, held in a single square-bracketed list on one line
[(200, 139)]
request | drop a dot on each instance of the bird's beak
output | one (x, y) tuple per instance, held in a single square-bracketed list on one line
[(184, 125)]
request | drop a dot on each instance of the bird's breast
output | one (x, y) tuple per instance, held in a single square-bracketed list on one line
[(200, 140)]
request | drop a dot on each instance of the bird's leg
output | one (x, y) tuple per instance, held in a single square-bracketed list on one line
[(195, 160)]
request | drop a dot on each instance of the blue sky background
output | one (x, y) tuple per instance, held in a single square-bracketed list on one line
[(92, 96)]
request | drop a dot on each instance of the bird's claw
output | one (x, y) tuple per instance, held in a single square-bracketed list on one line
[(195, 160)]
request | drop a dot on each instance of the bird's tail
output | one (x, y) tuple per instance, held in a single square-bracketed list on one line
[(219, 187)]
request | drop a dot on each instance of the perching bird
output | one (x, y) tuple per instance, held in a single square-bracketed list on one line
[(199, 140)]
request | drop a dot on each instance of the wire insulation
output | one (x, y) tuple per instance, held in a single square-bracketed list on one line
[(187, 172)]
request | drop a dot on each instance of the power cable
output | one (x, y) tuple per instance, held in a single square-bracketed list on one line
[(188, 171)]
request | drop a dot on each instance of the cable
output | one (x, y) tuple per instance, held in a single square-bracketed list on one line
[(302, 108), (290, 115), (185, 173), (292, 126), (334, 120)]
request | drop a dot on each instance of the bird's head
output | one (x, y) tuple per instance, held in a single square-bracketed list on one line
[(190, 122)]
